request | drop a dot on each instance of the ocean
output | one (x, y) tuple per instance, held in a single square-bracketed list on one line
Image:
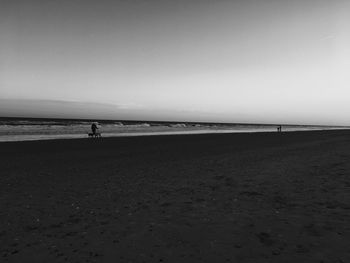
[(19, 129)]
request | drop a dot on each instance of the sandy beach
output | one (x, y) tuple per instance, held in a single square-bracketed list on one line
[(260, 197)]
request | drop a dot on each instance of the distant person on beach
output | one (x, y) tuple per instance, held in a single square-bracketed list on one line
[(94, 128), (279, 128)]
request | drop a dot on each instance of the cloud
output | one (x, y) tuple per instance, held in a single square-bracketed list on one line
[(63, 109)]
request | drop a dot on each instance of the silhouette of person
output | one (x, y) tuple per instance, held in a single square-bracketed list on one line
[(93, 128)]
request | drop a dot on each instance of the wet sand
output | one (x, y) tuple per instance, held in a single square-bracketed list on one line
[(263, 197)]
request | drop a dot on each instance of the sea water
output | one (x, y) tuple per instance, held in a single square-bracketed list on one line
[(34, 129)]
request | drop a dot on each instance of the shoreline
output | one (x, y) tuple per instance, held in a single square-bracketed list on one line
[(40, 137)]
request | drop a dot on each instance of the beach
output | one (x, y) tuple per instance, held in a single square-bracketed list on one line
[(255, 197)]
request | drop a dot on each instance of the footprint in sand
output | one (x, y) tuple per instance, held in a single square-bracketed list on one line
[(265, 238)]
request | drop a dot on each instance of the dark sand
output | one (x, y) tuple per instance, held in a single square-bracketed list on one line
[(263, 197)]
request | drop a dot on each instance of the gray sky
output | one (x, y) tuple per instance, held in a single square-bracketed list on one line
[(195, 60)]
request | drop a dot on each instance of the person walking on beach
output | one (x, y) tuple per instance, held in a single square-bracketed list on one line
[(93, 128)]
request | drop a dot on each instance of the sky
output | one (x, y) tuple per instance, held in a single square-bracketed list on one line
[(246, 61)]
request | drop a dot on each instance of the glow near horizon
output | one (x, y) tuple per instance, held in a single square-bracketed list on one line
[(222, 61)]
